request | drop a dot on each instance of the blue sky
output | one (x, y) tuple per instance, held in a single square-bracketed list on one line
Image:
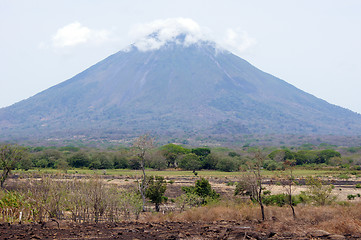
[(314, 45)]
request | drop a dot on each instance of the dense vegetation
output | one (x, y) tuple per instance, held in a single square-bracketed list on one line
[(193, 159)]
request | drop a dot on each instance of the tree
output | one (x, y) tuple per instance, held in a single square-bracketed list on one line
[(251, 184), (288, 184), (157, 160), (141, 146), (227, 164), (201, 152), (190, 162), (320, 193), (210, 162), (281, 155), (172, 152), (155, 190), (325, 155), (79, 159), (10, 155)]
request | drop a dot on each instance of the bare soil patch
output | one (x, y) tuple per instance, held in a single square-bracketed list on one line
[(160, 230)]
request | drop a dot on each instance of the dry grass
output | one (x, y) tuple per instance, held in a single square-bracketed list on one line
[(334, 219)]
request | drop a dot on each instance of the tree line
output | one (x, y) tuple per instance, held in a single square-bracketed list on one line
[(169, 156)]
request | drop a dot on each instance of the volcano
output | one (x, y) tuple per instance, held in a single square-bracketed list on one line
[(175, 90)]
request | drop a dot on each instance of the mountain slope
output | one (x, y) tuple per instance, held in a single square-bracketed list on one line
[(177, 89)]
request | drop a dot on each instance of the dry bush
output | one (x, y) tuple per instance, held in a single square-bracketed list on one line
[(89, 200), (334, 218)]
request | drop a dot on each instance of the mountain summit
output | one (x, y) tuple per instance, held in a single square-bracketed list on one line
[(179, 88)]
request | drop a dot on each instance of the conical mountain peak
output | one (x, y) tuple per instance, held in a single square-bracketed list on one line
[(174, 85)]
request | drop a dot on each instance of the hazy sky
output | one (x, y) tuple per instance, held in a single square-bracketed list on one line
[(314, 45)]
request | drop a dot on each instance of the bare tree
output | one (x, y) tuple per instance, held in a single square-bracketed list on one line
[(10, 155), (251, 184), (288, 184), (141, 146)]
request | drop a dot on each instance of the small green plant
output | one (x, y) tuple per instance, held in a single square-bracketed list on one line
[(171, 181), (351, 197), (343, 176), (358, 185), (230, 183), (267, 192)]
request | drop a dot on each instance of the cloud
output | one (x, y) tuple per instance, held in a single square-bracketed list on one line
[(153, 35), (237, 41), (75, 34)]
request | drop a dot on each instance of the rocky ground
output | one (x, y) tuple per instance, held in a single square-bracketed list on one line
[(159, 230)]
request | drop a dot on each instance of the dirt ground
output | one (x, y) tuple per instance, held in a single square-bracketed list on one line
[(342, 189), (160, 230)]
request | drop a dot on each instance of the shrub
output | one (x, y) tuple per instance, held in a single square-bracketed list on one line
[(351, 197), (155, 190), (281, 199), (277, 199), (230, 183), (203, 189), (319, 193), (188, 200)]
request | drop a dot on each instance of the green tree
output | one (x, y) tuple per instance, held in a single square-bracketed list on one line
[(156, 187), (171, 152), (227, 164), (201, 152), (101, 160), (190, 161), (281, 155), (210, 162), (79, 159), (10, 156), (325, 155), (319, 193), (305, 157)]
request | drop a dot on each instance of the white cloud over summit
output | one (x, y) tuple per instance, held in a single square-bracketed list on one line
[(153, 35)]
